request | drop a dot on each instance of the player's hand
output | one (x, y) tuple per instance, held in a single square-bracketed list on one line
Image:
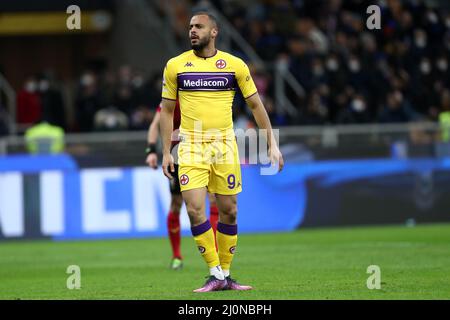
[(152, 160), (276, 158), (168, 163)]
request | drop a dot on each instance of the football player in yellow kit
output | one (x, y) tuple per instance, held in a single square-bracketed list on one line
[(204, 80)]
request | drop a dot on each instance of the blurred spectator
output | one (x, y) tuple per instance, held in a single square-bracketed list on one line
[(316, 112), (44, 138), (442, 71), (147, 96), (108, 86), (357, 74), (350, 74), (327, 44), (141, 118), (300, 60), (397, 109), (52, 102), (110, 119), (318, 75), (125, 98), (356, 112), (270, 43), (29, 107), (150, 92), (88, 101)]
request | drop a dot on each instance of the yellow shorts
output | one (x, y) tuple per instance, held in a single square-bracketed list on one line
[(214, 165)]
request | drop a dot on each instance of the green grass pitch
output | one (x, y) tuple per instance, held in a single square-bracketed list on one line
[(306, 264)]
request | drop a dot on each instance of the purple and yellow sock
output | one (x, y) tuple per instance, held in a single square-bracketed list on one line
[(206, 244), (226, 240)]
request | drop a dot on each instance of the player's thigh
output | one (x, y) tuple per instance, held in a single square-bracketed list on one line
[(193, 177), (195, 205), (192, 153), (193, 170), (225, 177)]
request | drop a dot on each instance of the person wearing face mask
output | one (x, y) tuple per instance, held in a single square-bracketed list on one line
[(52, 102), (355, 112), (420, 39), (29, 107), (442, 71), (425, 67), (316, 113), (419, 45), (88, 101), (356, 77), (422, 82), (318, 74), (145, 94), (337, 79), (332, 64), (396, 109)]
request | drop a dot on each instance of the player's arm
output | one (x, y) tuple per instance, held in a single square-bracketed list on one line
[(152, 138), (166, 125), (262, 119), (250, 93), (169, 96)]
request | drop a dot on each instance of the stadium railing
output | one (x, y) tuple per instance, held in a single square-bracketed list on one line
[(10, 94), (298, 143)]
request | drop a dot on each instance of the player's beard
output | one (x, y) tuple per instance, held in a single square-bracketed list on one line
[(202, 43)]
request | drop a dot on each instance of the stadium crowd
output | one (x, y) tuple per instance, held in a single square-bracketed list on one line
[(350, 74), (120, 99)]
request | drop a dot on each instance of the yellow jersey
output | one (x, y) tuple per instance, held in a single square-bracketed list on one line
[(205, 88)]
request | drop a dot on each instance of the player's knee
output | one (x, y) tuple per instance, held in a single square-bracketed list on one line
[(228, 215), (194, 208), (176, 203), (195, 211), (175, 208)]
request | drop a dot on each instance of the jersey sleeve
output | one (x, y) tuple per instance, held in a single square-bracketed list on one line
[(245, 80), (169, 83)]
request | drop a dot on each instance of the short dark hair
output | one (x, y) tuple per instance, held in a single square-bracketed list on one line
[(211, 17)]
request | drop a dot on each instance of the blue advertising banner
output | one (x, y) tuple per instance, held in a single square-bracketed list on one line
[(49, 196)]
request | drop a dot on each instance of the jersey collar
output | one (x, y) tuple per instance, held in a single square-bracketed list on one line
[(205, 57)]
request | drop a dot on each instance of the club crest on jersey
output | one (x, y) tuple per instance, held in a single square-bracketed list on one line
[(184, 179), (201, 249), (220, 64)]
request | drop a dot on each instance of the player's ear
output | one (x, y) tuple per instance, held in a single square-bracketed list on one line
[(214, 32)]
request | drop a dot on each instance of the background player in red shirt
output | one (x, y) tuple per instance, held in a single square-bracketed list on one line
[(173, 218)]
